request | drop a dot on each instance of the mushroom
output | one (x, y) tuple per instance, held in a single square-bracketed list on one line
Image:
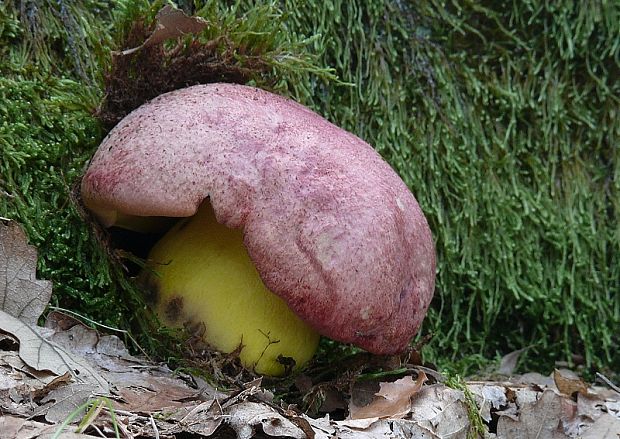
[(328, 225)]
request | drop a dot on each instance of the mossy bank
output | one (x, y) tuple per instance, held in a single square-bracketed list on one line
[(501, 118)]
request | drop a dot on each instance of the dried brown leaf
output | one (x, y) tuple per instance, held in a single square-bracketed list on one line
[(22, 295), (489, 397), (171, 23), (535, 379), (613, 407), (60, 321), (19, 428), (142, 392), (52, 385), (25, 372), (41, 354), (203, 419), (605, 427), (393, 400), (441, 410), (569, 383), (436, 412), (541, 420), (63, 401), (244, 417), (79, 339), (509, 362)]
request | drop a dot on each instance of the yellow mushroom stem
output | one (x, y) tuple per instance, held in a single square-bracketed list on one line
[(203, 275)]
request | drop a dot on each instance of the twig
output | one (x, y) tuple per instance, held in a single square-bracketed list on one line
[(122, 331), (607, 381), (94, 427), (154, 426), (126, 432)]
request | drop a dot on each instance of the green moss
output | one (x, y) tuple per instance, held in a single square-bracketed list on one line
[(501, 116), (46, 136), (59, 37), (239, 45), (477, 428)]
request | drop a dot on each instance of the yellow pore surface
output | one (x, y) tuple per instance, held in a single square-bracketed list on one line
[(205, 270)]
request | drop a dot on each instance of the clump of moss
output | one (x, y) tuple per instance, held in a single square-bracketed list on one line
[(57, 37), (46, 135), (236, 45)]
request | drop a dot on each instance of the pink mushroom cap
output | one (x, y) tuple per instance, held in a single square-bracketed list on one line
[(329, 225)]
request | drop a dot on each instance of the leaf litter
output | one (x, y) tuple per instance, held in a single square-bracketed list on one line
[(47, 374), (22, 295)]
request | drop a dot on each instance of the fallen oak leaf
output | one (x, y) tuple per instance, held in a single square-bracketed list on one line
[(22, 295), (393, 400), (542, 419), (42, 354)]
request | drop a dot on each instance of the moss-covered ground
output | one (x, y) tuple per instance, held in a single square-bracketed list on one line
[(502, 117)]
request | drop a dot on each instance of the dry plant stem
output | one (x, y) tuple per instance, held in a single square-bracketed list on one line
[(91, 415), (608, 382), (101, 325), (98, 430), (154, 427)]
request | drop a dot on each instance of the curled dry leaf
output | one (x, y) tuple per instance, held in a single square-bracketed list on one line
[(568, 383), (393, 400), (509, 362), (22, 295), (246, 416), (171, 23), (41, 354)]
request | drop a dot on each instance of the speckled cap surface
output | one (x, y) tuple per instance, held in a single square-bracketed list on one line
[(331, 228)]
